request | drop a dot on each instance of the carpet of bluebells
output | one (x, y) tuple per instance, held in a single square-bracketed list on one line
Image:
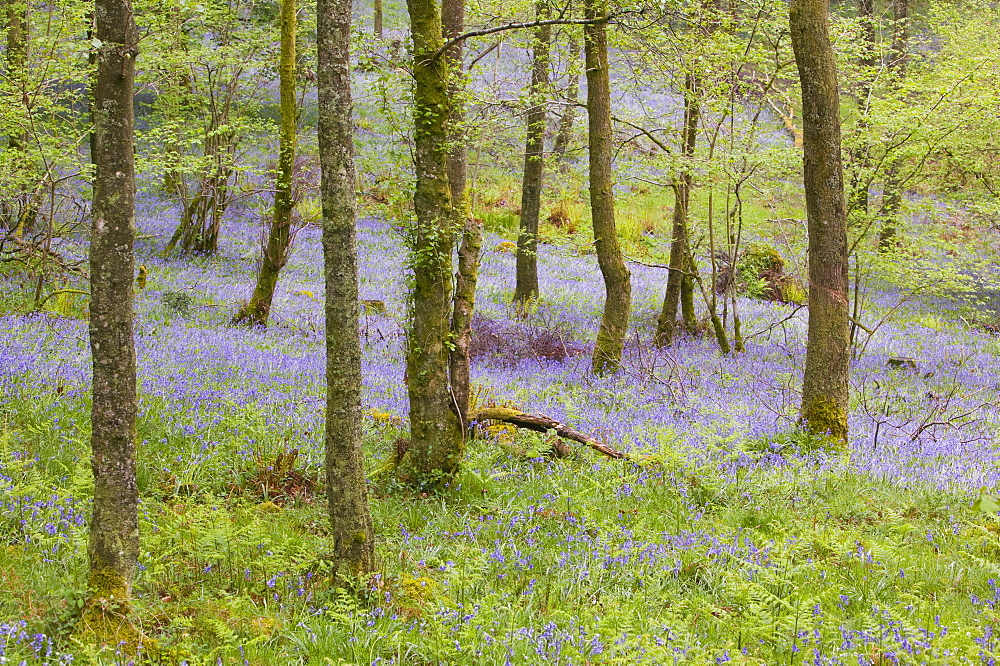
[(728, 537)]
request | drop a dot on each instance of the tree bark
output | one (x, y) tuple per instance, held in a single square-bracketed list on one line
[(347, 488), (20, 208), (17, 52), (542, 423), (867, 62), (526, 287), (825, 383), (680, 287), (114, 530), (377, 19), (900, 36), (565, 133), (617, 280), (453, 23), (892, 197), (279, 239), (436, 441)]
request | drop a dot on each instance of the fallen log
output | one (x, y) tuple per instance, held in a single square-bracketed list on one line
[(541, 423)]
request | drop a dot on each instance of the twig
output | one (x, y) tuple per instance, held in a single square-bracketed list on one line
[(518, 26)]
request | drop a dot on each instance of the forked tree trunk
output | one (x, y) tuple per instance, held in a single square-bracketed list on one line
[(617, 280), (825, 383), (114, 529), (453, 22), (201, 218), (436, 442), (347, 488), (680, 282), (526, 287), (565, 133), (256, 312)]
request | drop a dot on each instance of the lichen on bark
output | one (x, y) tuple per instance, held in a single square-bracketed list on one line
[(113, 545), (353, 558)]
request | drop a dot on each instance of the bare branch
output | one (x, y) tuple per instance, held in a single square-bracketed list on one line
[(518, 26)]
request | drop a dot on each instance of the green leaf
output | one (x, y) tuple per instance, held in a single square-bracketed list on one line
[(987, 504)]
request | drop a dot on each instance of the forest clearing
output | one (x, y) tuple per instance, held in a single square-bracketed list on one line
[(592, 334)]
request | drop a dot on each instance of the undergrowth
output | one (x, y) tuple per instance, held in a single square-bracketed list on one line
[(768, 558)]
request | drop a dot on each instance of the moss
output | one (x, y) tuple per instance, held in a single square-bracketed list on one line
[(760, 273), (106, 618), (822, 416), (792, 291), (760, 258)]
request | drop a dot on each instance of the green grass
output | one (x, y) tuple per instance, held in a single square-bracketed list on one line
[(643, 215)]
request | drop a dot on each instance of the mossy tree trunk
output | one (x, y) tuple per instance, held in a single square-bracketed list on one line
[(453, 23), (825, 382), (278, 245), (680, 281), (347, 488), (465, 302), (892, 192), (526, 286), (859, 158), (565, 132), (114, 530), (617, 279), (436, 441), (17, 52), (19, 209)]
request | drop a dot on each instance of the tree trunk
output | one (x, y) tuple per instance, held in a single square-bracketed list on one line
[(526, 287), (347, 488), (17, 53), (565, 133), (378, 19), (892, 197), (825, 383), (680, 281), (114, 529), (201, 219), (461, 322), (256, 312), (436, 442), (867, 61), (19, 210), (900, 36), (617, 280), (453, 23)]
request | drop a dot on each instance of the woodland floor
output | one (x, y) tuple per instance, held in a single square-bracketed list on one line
[(727, 538)]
